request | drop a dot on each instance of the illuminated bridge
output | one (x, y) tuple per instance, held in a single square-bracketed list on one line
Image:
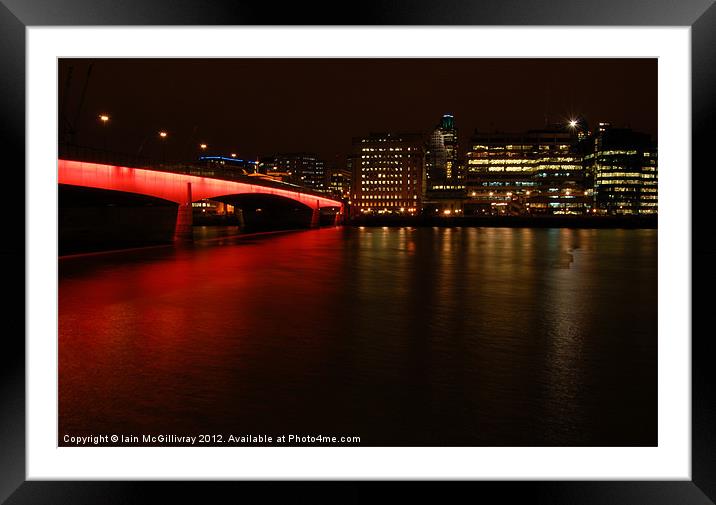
[(185, 188)]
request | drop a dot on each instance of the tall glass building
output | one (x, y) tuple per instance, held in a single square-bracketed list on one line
[(623, 166)]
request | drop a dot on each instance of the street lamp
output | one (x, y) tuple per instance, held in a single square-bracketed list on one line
[(203, 147), (104, 119), (163, 135)]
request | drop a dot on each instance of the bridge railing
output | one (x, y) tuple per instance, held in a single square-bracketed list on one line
[(198, 168)]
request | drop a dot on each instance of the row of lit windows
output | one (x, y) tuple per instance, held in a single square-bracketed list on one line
[(385, 197), (508, 169), (548, 162), (606, 182), (631, 167), (385, 149), (500, 161), (386, 176), (559, 167), (616, 152), (374, 168), (392, 181), (517, 147), (511, 183), (622, 189), (380, 164), (601, 175), (391, 139), (393, 205)]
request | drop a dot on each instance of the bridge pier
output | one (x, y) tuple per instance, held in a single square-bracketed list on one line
[(339, 216), (183, 231), (316, 216)]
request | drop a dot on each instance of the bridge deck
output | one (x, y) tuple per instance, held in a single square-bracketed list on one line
[(171, 183)]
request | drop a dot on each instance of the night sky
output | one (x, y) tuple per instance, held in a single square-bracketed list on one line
[(256, 107)]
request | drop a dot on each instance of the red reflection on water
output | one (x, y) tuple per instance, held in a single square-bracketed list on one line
[(178, 334), (401, 336)]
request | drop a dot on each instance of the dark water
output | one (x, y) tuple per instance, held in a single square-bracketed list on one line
[(428, 336)]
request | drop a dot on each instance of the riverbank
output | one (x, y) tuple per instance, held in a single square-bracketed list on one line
[(629, 222)]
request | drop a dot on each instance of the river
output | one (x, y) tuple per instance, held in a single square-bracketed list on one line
[(401, 336)]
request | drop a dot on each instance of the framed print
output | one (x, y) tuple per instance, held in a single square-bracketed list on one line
[(445, 244)]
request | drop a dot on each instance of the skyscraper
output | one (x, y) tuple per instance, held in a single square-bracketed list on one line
[(441, 156), (444, 177), (449, 133)]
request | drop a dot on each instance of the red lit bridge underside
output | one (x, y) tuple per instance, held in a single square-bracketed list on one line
[(170, 186)]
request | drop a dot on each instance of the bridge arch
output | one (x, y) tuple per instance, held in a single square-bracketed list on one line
[(181, 189)]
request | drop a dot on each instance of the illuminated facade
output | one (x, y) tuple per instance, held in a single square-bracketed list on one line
[(435, 160), (388, 173), (338, 182), (444, 179), (441, 155), (537, 172), (624, 169), (453, 170), (303, 169)]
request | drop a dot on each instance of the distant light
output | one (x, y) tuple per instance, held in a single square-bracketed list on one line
[(104, 118), (233, 155), (163, 134), (573, 123), (203, 146)]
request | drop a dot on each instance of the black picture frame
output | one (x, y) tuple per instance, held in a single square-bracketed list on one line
[(16, 15)]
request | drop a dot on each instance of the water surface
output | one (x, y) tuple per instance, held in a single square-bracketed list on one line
[(402, 336)]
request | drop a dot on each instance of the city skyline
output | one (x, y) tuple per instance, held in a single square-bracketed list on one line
[(318, 105)]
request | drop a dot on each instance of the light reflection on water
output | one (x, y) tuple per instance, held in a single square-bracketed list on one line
[(408, 336)]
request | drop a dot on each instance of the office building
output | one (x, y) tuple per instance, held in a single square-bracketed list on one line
[(303, 169), (536, 172), (388, 173), (338, 182), (623, 167)]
